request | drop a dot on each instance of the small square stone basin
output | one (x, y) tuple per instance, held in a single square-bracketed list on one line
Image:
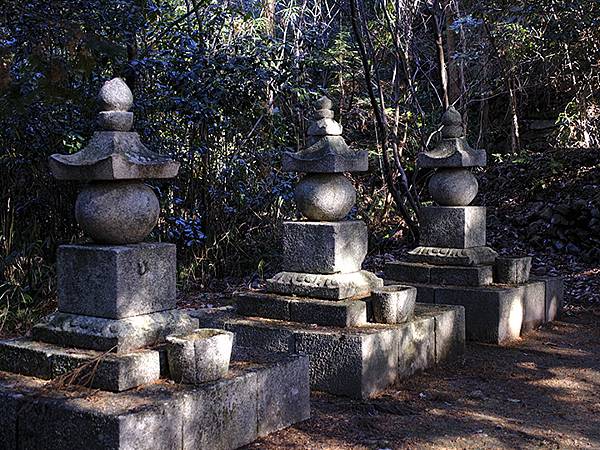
[(200, 356), (394, 303)]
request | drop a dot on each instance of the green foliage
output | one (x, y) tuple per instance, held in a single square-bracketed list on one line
[(224, 90)]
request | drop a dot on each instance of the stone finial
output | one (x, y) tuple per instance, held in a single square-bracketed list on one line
[(452, 124), (451, 117), (323, 124), (114, 153), (323, 103), (327, 151), (453, 151), (115, 95), (115, 99)]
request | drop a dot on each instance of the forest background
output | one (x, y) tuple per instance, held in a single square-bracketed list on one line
[(226, 86)]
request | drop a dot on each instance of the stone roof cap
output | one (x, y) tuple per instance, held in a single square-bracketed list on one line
[(115, 153)]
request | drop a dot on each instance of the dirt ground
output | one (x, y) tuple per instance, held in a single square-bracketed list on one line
[(541, 392)]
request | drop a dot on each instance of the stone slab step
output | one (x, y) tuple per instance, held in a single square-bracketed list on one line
[(411, 272), (100, 370), (359, 361), (498, 314), (341, 313), (260, 395)]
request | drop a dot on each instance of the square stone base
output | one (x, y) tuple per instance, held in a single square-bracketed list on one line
[(498, 314), (116, 281), (261, 394), (453, 226), (360, 361), (324, 247)]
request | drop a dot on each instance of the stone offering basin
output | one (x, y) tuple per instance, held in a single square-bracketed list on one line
[(394, 303), (200, 356)]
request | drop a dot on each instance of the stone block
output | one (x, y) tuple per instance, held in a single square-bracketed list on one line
[(324, 247), (407, 272), (357, 364), (534, 305), (462, 276), (221, 415), (555, 289), (99, 370), (283, 389), (115, 282), (449, 331), (26, 357), (453, 226), (116, 335), (224, 414), (260, 304), (343, 313), (416, 345), (58, 423), (554, 296), (337, 286), (10, 406), (261, 333), (361, 361), (509, 270), (492, 315)]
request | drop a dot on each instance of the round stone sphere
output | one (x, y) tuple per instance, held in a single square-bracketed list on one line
[(117, 212), (453, 187), (325, 197)]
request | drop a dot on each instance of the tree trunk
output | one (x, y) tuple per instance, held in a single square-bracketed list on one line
[(456, 69), (269, 14), (515, 138), (437, 17)]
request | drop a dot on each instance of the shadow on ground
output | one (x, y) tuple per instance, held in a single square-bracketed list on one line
[(541, 392)]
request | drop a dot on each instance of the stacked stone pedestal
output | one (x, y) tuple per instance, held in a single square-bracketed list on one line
[(116, 304), (116, 307), (320, 304), (453, 265), (348, 354)]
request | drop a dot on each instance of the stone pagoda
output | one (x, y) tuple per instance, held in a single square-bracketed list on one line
[(320, 304), (323, 255), (116, 309), (453, 264)]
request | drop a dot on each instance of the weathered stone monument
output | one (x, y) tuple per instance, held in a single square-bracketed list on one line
[(452, 264), (116, 310), (321, 303)]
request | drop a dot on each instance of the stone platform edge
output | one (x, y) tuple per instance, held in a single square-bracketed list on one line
[(262, 394), (499, 314), (357, 362)]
